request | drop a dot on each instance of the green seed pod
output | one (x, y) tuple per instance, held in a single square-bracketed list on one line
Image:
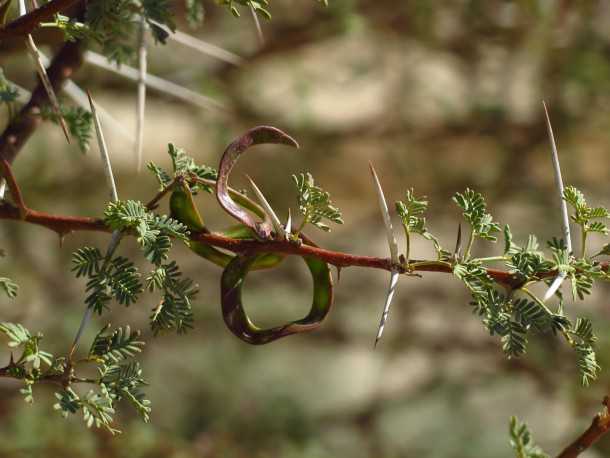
[(239, 323)]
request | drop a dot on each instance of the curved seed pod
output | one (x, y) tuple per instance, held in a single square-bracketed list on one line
[(240, 324), (183, 209), (256, 136)]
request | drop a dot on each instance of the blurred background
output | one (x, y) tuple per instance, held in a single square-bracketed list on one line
[(439, 96)]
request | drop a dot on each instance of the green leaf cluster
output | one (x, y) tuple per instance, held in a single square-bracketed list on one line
[(97, 408), (20, 337), (119, 377), (185, 166), (109, 278), (154, 233), (72, 29), (585, 216), (474, 210), (314, 203), (194, 12), (9, 287), (125, 381), (115, 346), (260, 6), (411, 212), (512, 317), (522, 442), (114, 24), (174, 311), (527, 261)]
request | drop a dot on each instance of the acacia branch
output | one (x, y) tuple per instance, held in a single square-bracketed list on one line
[(65, 224), (599, 426), (61, 224), (27, 23)]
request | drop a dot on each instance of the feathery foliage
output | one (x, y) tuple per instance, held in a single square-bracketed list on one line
[(9, 287), (72, 28), (115, 346), (474, 210), (411, 212), (522, 442), (194, 12), (585, 216), (314, 203)]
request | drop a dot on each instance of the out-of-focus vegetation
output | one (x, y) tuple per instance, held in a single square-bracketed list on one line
[(440, 96)]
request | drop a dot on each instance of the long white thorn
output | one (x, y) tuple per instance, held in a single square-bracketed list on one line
[(201, 46), (385, 213), (141, 103), (154, 82), (101, 141), (393, 245), (42, 73), (46, 82), (289, 225), (277, 225), (259, 29), (565, 219), (386, 308), (554, 286)]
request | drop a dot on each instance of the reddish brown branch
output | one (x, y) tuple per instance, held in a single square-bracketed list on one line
[(599, 426), (64, 64), (67, 224), (60, 224), (29, 22)]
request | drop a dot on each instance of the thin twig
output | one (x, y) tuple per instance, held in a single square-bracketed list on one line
[(141, 103), (599, 426), (152, 204)]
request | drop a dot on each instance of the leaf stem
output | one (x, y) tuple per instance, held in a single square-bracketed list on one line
[(493, 258), (470, 243)]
